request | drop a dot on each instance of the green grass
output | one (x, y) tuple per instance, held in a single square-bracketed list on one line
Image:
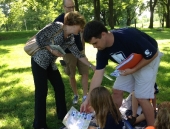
[(17, 87)]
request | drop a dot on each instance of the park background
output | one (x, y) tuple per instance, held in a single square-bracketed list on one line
[(21, 19)]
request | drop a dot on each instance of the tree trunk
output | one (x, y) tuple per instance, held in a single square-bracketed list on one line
[(152, 12), (168, 15), (96, 9), (128, 22), (76, 5), (6, 26), (151, 19), (104, 17), (111, 20)]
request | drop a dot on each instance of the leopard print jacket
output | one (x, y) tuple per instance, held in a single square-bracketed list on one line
[(43, 57)]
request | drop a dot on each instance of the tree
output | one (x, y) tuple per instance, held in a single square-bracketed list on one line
[(166, 14), (152, 7), (6, 10), (96, 4), (111, 18), (2, 18), (76, 5), (161, 12), (131, 7)]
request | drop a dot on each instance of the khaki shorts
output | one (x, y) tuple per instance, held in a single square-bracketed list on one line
[(71, 63), (142, 81)]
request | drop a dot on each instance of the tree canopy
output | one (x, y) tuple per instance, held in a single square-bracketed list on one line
[(34, 14)]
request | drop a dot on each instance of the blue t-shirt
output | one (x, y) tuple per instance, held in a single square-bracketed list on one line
[(126, 42), (111, 124), (77, 38)]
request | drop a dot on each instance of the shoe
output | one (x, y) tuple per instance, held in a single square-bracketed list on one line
[(131, 120), (155, 113), (75, 99), (63, 127), (84, 98)]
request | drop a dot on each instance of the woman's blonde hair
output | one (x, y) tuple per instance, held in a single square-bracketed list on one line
[(163, 116), (74, 18), (102, 103)]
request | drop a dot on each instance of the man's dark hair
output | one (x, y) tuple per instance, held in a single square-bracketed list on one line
[(93, 29)]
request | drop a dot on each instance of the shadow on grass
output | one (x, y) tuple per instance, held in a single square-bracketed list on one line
[(17, 70), (158, 35), (17, 102), (4, 51), (14, 42)]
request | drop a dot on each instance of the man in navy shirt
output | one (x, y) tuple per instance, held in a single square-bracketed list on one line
[(71, 61), (117, 45)]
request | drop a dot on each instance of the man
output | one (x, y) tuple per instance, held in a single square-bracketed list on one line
[(71, 61), (117, 45)]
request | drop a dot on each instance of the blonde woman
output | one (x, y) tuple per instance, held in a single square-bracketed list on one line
[(107, 113)]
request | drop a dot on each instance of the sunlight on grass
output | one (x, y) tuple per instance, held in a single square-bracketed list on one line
[(10, 123), (165, 41)]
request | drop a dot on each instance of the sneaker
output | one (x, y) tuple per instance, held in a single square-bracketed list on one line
[(84, 98), (75, 99)]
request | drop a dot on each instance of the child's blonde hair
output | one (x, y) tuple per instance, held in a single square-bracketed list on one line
[(163, 116), (102, 103)]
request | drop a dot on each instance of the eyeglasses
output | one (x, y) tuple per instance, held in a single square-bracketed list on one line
[(70, 7)]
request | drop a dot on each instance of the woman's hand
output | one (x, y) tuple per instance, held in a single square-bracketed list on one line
[(54, 52), (57, 53)]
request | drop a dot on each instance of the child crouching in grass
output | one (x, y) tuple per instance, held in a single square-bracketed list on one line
[(163, 116), (107, 113)]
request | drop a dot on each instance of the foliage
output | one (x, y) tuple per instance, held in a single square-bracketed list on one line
[(35, 14), (29, 14), (2, 18)]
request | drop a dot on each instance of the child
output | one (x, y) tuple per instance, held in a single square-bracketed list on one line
[(134, 118), (163, 116), (107, 113)]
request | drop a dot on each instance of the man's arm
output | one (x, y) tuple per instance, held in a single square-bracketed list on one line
[(60, 18), (95, 82), (86, 62), (141, 64)]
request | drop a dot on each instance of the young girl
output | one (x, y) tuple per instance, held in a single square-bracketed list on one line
[(107, 113)]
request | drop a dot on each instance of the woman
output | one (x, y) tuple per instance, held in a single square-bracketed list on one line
[(44, 68), (107, 114)]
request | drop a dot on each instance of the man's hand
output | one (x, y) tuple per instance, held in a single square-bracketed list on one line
[(85, 106), (126, 72)]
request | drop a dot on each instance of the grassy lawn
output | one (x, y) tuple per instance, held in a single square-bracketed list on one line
[(17, 87)]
